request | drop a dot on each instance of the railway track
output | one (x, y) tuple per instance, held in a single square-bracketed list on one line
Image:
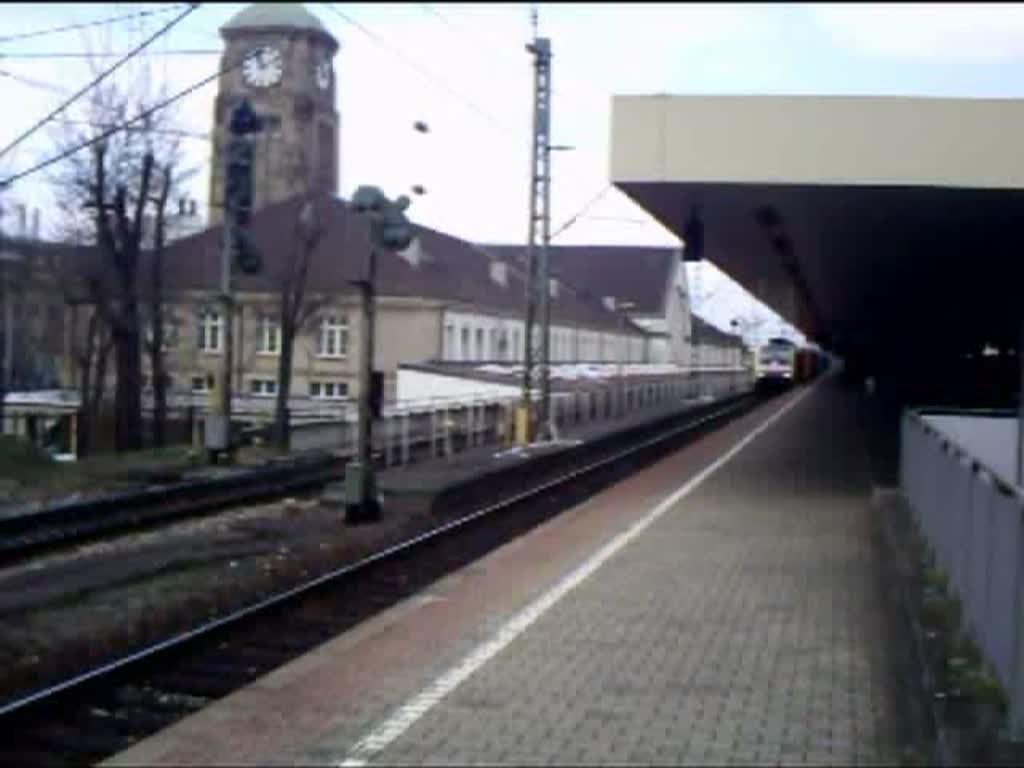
[(65, 524), (106, 710)]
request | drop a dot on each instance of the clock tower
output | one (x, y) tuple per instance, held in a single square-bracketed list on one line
[(279, 57)]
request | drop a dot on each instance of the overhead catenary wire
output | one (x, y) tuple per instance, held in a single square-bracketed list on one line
[(94, 55), (96, 81), (493, 49), (69, 121), (423, 71), (87, 24), (415, 65), (142, 115), (491, 46), (33, 83), (586, 207)]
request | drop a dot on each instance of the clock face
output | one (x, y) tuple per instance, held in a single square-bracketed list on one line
[(263, 67), (323, 74)]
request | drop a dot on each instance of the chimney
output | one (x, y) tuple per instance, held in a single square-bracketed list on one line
[(609, 303), (499, 272)]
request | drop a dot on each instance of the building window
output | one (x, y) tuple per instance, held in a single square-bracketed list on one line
[(328, 390), (464, 350), (210, 328), (492, 353), (448, 352), (269, 342), (516, 349), (333, 340), (202, 383), (262, 387), (479, 343)]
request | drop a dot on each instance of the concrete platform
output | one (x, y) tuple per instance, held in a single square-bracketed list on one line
[(719, 606)]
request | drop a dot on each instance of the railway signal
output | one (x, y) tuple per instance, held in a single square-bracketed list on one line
[(238, 248), (390, 230)]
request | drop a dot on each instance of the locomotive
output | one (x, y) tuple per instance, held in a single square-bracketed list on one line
[(780, 363)]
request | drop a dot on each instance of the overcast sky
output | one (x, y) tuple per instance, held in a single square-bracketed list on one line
[(464, 71)]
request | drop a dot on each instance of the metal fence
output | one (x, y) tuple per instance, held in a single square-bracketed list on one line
[(443, 427), (974, 522)]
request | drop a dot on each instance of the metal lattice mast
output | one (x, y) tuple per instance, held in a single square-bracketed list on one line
[(536, 349)]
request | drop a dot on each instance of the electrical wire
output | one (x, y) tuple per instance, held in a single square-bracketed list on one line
[(95, 82), (493, 48), (84, 55), (34, 83), (86, 24), (576, 216), (158, 131), (125, 124), (421, 70), (68, 121)]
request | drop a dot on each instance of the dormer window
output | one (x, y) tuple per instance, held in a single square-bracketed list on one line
[(499, 272)]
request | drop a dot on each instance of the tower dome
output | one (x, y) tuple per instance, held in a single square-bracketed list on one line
[(274, 16)]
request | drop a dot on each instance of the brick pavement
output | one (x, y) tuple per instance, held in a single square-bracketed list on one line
[(743, 626)]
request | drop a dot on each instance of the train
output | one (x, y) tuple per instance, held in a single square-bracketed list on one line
[(780, 363)]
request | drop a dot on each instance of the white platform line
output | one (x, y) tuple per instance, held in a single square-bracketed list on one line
[(408, 713)]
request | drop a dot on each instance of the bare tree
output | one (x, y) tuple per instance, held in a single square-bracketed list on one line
[(105, 194), (91, 355), (296, 307)]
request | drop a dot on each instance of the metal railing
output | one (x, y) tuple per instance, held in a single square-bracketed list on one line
[(442, 427), (974, 522)]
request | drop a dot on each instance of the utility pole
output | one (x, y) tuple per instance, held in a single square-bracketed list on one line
[(532, 425), (237, 246)]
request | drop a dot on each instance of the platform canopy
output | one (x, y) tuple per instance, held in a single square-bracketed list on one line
[(882, 227)]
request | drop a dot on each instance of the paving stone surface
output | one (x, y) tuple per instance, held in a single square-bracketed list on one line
[(744, 626)]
